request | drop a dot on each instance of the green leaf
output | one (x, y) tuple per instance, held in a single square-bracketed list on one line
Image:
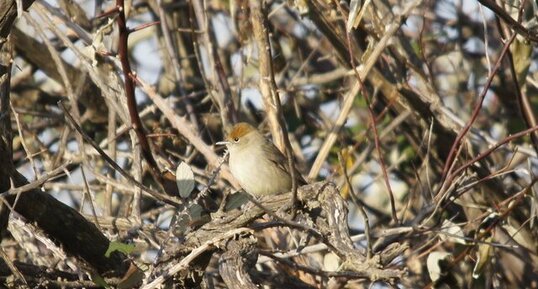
[(99, 281), (521, 52), (119, 246)]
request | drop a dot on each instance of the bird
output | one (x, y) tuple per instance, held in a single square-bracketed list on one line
[(257, 164)]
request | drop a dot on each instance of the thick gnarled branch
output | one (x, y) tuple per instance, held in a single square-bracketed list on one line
[(323, 204)]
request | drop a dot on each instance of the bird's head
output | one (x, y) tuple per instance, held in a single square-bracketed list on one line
[(240, 136)]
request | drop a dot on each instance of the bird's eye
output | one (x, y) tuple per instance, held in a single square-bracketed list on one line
[(236, 139)]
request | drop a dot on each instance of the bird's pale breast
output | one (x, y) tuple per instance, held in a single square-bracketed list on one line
[(258, 176)]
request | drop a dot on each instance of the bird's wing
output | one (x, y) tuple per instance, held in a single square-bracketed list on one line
[(281, 161)]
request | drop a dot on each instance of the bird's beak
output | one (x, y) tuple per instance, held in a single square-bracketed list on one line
[(220, 143)]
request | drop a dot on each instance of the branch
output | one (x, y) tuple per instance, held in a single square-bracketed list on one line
[(269, 91), (129, 85), (234, 264), (323, 204), (516, 26)]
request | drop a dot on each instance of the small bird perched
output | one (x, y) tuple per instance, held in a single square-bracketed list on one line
[(256, 163)]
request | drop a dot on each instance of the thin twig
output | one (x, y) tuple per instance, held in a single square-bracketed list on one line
[(16, 273), (217, 78), (359, 205), (39, 181), (269, 88), (373, 124), (167, 199), (523, 102), (129, 86), (184, 263), (71, 94), (172, 53), (185, 129), (515, 25), (457, 142), (363, 71)]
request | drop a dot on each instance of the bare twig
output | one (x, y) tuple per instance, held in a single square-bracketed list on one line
[(129, 86), (172, 53), (39, 181), (167, 199), (373, 124), (217, 78), (269, 90), (18, 275), (523, 102), (359, 206), (73, 99), (476, 110), (518, 27), (184, 128), (363, 71), (184, 263)]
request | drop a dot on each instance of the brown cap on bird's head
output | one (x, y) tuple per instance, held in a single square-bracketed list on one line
[(238, 131)]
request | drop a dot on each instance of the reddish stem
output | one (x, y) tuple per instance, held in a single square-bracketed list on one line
[(129, 81)]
